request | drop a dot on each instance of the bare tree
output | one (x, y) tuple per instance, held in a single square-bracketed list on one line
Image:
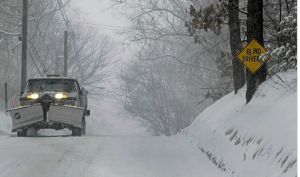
[(92, 58), (90, 54), (10, 33), (212, 18), (155, 94), (160, 22)]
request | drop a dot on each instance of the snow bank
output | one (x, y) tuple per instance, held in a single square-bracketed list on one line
[(255, 139), (5, 124)]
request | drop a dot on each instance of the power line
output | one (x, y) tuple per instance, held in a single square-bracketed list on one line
[(95, 27), (64, 15), (86, 24), (96, 24), (37, 55), (43, 39), (34, 63)]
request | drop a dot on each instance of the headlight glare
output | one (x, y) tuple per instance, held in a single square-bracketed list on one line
[(33, 96), (60, 96)]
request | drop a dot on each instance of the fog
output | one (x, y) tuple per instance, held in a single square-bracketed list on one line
[(151, 64)]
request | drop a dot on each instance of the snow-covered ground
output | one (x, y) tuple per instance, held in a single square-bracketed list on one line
[(126, 152), (107, 156), (230, 138), (255, 139)]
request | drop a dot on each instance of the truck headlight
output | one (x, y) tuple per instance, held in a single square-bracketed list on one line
[(33, 96), (60, 96)]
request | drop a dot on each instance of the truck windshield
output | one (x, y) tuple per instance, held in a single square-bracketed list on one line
[(51, 85)]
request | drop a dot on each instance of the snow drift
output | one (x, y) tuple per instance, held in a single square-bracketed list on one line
[(5, 124), (255, 139)]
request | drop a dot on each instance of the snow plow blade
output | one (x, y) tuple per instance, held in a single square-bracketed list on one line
[(66, 115), (25, 116)]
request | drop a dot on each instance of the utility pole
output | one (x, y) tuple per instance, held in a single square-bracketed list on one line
[(24, 46), (5, 90), (65, 54)]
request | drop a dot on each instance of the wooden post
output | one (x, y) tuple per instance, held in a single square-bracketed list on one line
[(65, 54), (5, 97), (24, 46)]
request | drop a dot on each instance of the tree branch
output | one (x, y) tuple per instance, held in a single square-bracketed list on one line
[(10, 34), (183, 62)]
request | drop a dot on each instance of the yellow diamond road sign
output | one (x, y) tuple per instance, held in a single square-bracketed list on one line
[(250, 54)]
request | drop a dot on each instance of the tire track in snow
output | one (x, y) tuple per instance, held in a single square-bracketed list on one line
[(29, 154), (76, 158), (62, 162), (91, 159)]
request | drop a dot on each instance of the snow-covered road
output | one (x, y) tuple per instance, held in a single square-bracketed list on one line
[(102, 156)]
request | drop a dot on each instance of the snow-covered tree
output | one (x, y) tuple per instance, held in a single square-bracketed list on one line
[(286, 54)]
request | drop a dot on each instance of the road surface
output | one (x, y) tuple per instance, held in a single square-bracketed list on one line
[(102, 156)]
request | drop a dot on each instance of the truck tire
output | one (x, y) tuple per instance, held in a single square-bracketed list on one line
[(22, 133), (32, 132), (83, 131), (76, 132)]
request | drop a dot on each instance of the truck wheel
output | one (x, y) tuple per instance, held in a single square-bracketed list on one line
[(83, 131), (76, 132), (32, 132), (22, 133)]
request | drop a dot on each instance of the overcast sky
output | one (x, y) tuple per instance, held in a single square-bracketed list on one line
[(100, 14)]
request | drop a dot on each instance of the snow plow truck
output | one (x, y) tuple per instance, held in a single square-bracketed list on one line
[(52, 102)]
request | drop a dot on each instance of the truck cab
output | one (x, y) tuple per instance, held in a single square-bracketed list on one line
[(62, 91)]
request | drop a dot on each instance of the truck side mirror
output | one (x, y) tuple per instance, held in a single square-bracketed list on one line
[(87, 112)]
